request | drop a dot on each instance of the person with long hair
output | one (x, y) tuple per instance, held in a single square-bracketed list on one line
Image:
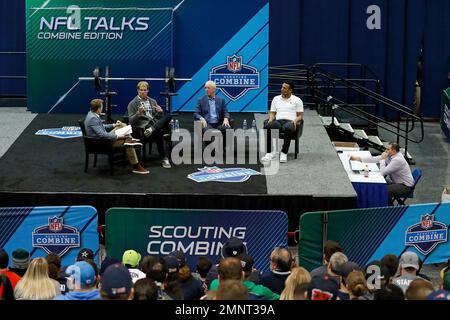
[(36, 284), (298, 276)]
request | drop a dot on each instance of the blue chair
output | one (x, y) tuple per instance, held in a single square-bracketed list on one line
[(417, 174)]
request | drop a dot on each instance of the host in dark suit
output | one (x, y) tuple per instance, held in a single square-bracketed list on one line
[(211, 110)]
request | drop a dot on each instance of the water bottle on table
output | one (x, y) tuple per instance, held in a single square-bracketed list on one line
[(254, 126), (366, 171), (177, 126)]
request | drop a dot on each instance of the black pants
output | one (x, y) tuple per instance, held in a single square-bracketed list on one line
[(285, 126), (159, 128), (396, 189)]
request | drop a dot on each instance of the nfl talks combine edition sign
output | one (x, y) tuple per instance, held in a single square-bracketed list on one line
[(235, 78)]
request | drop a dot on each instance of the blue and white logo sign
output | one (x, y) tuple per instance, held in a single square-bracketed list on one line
[(208, 174), (61, 133), (235, 78), (56, 237), (426, 234)]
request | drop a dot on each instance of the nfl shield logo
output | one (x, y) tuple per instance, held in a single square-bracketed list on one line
[(55, 224), (234, 63), (427, 221)]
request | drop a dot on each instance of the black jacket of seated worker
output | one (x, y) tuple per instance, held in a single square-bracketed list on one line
[(145, 114)]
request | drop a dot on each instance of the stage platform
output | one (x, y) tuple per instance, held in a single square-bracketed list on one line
[(46, 171)]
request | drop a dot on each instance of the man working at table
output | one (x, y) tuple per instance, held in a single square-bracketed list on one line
[(395, 168)]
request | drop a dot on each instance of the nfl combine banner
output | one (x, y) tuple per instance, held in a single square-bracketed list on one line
[(194, 232), (44, 230), (369, 234), (223, 41)]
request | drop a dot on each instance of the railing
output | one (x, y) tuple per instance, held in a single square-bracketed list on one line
[(321, 87), (12, 77)]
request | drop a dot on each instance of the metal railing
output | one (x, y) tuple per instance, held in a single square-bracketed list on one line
[(320, 87)]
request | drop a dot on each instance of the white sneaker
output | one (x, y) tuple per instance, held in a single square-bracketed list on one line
[(165, 163), (283, 157), (268, 157)]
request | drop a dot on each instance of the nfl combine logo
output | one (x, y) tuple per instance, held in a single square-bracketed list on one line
[(426, 235), (235, 78), (56, 237)]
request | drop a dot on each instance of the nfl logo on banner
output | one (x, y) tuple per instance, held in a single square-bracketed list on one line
[(234, 63), (56, 237), (426, 234), (235, 78)]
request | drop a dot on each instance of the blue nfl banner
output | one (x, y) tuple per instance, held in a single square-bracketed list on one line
[(44, 230)]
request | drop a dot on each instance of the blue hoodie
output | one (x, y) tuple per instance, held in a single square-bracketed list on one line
[(88, 295)]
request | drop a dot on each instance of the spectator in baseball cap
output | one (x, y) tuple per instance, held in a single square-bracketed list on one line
[(82, 280), (85, 253), (108, 261), (233, 247), (343, 270), (408, 265), (116, 283), (131, 260)]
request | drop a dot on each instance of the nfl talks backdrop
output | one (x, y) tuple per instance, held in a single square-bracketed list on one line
[(223, 41), (44, 230), (369, 234), (194, 232)]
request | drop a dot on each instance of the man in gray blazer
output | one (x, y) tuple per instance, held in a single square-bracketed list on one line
[(145, 114), (95, 128)]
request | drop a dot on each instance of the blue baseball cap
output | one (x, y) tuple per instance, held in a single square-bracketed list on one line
[(82, 272)]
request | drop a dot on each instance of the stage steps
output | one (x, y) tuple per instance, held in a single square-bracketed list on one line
[(363, 139)]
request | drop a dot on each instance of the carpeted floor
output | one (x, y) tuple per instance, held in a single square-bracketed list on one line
[(46, 164)]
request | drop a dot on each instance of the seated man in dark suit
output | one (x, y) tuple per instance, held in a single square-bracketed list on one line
[(96, 129), (211, 110), (145, 113)]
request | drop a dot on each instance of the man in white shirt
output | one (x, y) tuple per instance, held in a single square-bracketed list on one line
[(394, 166), (286, 111)]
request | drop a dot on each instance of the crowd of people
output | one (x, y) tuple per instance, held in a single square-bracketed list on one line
[(233, 277)]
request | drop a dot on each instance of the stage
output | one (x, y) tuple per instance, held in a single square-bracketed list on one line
[(46, 171)]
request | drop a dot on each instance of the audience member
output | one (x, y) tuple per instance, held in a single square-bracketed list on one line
[(280, 269), (299, 275), (145, 289), (131, 259), (329, 248), (116, 283), (419, 289), (82, 281), (36, 284), (231, 290), (408, 266), (4, 261), (20, 260)]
